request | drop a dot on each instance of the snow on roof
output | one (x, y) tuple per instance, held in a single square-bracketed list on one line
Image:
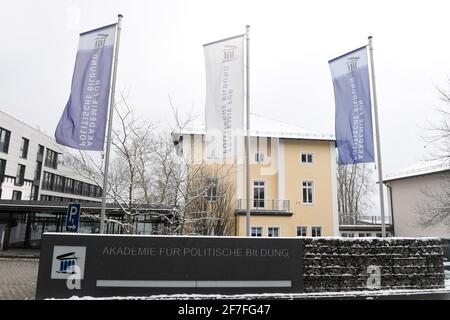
[(419, 169), (261, 126)]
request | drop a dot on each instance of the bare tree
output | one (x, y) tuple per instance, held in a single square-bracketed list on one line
[(203, 193), (434, 207), (355, 188), (130, 178), (210, 196), (438, 133), (145, 169)]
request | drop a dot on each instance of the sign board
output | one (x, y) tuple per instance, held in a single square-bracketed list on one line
[(127, 265), (73, 217)]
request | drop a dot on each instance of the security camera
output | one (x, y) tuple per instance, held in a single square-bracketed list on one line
[(177, 140)]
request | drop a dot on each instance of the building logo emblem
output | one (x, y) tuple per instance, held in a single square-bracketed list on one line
[(68, 261), (229, 53), (352, 64), (100, 40)]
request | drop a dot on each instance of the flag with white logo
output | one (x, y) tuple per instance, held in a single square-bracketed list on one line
[(83, 123), (224, 96), (353, 117)]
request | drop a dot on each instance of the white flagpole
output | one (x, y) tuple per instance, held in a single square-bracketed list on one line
[(247, 144), (377, 135), (110, 120)]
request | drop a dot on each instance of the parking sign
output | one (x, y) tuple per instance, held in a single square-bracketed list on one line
[(73, 217)]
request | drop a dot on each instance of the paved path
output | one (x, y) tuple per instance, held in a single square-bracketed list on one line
[(18, 278)]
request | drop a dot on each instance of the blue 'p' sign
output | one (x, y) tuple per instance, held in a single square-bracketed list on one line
[(73, 217)]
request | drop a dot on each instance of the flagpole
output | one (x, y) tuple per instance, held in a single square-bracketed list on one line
[(110, 120), (377, 135), (247, 144)]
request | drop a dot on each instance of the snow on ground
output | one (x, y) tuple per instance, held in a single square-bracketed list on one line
[(288, 296)]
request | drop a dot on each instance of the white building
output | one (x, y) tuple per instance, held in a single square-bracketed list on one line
[(30, 168), (31, 176), (407, 193)]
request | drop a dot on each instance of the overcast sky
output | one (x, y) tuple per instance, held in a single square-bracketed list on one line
[(161, 53)]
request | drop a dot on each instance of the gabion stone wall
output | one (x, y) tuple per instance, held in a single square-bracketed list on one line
[(343, 264)]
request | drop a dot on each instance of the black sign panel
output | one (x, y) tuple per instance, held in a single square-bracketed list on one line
[(122, 265)]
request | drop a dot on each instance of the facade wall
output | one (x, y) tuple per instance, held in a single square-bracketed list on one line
[(283, 174), (19, 130), (8, 187), (407, 194), (320, 212)]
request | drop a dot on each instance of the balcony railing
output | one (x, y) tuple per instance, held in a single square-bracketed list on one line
[(356, 219), (269, 205)]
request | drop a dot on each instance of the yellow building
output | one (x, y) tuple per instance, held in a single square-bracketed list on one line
[(292, 179)]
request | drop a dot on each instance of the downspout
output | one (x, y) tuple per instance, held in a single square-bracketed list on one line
[(391, 207)]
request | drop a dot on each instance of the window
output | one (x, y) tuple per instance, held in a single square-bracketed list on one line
[(45, 197), (307, 191), (260, 147), (17, 195), (58, 183), (5, 135), (2, 169), (361, 235), (347, 234), (24, 148), (379, 235), (92, 190), (259, 157), (34, 193), (258, 194), (51, 160), (47, 183), (99, 192), (68, 187), (211, 185), (273, 231), (40, 150), (85, 189), (302, 231), (77, 187), (256, 231), (37, 170), (306, 158), (316, 231), (20, 175), (61, 184)]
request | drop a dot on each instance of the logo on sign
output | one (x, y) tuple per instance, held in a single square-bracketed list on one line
[(352, 64), (229, 53), (68, 261), (100, 40)]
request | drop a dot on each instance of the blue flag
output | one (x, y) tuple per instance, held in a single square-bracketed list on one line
[(353, 117), (83, 123)]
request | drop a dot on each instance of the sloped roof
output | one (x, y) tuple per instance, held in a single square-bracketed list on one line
[(421, 168), (261, 126)]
